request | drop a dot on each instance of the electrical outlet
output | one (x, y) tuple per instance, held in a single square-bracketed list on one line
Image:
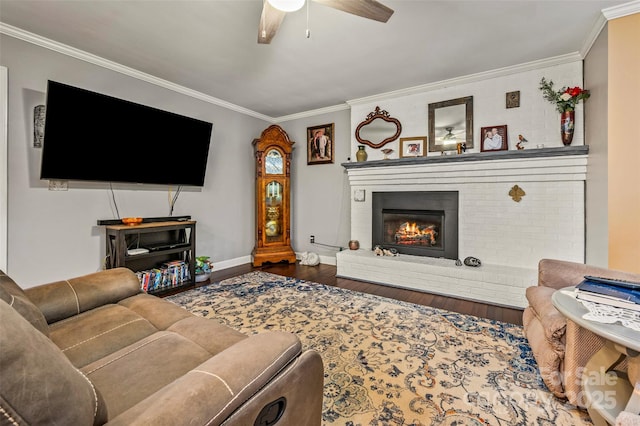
[(58, 185), (312, 239)]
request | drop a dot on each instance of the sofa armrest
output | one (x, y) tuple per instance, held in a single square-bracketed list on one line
[(241, 380), (552, 322), (560, 273), (63, 299)]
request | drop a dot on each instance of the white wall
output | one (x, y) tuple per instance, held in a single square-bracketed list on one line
[(320, 197), (536, 118), (53, 235), (596, 127)]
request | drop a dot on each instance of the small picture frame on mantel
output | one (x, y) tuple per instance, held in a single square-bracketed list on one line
[(413, 147), (493, 138)]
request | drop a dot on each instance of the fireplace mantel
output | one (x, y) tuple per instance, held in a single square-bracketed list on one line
[(509, 236), (435, 158)]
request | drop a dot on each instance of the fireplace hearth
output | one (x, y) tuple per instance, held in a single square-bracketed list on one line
[(421, 223)]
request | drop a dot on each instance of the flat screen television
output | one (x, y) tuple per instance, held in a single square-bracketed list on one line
[(90, 136)]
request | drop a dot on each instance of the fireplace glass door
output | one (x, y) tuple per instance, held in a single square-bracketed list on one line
[(412, 228), (419, 223)]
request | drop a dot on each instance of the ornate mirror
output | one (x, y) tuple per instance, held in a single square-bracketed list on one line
[(378, 129), (450, 123)]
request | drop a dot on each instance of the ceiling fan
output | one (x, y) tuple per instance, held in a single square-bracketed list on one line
[(449, 136), (274, 11), (452, 135)]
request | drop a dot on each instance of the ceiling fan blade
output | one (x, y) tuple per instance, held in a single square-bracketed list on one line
[(370, 9), (270, 21)]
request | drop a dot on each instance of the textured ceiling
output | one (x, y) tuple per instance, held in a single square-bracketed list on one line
[(211, 46)]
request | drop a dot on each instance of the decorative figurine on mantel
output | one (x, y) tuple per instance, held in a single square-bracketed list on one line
[(386, 152), (521, 140)]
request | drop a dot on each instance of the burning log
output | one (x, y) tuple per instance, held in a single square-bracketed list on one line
[(413, 234)]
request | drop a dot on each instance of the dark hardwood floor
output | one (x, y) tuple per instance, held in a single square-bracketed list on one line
[(326, 274)]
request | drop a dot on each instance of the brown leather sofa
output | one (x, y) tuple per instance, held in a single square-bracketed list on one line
[(96, 350), (561, 347)]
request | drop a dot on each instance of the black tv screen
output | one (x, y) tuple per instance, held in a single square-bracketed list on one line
[(89, 136)]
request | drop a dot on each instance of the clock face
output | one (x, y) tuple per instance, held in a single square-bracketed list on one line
[(273, 163)]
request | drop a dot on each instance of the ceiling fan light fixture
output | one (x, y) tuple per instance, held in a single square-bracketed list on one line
[(287, 5)]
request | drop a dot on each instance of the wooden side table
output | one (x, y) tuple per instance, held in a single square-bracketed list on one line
[(606, 392)]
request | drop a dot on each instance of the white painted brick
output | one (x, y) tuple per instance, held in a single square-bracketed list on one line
[(488, 283), (509, 237)]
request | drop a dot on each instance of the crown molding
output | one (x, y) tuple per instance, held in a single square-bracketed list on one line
[(471, 78), (113, 66), (607, 15), (621, 10), (593, 35)]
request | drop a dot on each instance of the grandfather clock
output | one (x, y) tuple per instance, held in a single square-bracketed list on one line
[(273, 211)]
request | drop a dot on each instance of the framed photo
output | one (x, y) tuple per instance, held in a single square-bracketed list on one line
[(513, 99), (493, 138), (320, 144), (413, 147)]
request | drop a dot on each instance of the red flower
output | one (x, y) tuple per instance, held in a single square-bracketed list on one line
[(574, 91)]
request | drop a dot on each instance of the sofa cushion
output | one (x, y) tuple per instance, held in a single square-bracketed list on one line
[(208, 333), (241, 380), (159, 312), (99, 332), (11, 293), (39, 385), (62, 299), (135, 372)]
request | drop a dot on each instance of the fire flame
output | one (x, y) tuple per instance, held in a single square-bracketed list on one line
[(411, 231)]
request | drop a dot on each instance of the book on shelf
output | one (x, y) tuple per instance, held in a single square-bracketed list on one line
[(169, 274)]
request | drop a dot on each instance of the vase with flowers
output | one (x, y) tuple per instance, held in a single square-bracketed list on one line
[(204, 266), (565, 100)]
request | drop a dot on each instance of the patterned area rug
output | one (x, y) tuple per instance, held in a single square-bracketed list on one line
[(389, 362)]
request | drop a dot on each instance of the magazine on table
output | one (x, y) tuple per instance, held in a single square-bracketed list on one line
[(619, 293), (624, 293), (607, 300)]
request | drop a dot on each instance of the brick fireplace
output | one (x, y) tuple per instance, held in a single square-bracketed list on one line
[(508, 236)]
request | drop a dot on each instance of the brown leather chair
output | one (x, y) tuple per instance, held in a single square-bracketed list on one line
[(95, 350), (562, 348)]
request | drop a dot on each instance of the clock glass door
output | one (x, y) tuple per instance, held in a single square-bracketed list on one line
[(273, 212)]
